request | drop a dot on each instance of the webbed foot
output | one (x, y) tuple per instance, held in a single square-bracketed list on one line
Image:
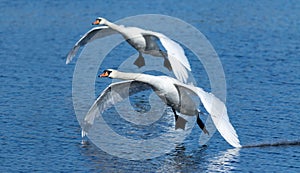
[(140, 61)]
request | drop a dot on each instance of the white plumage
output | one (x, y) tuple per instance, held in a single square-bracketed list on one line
[(173, 92), (144, 41)]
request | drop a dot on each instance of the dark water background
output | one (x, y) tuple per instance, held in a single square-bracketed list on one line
[(257, 42)]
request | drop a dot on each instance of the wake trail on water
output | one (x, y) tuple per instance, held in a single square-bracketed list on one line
[(275, 144)]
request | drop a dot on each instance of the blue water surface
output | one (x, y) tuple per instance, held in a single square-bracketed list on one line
[(258, 43)]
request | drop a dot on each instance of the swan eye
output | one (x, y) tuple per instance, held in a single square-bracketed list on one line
[(99, 19), (107, 71)]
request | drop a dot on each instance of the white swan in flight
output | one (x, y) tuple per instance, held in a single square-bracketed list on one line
[(174, 93), (144, 41)]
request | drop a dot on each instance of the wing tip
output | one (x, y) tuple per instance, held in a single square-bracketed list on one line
[(238, 145), (233, 140), (83, 133), (69, 57), (189, 68), (235, 143)]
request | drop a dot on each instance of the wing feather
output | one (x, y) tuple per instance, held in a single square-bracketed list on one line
[(91, 35), (218, 112), (176, 56), (113, 94)]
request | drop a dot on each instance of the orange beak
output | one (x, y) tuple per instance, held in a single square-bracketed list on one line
[(105, 74), (97, 22)]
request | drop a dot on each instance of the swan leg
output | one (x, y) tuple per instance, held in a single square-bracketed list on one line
[(175, 114), (167, 64), (179, 121), (201, 125), (140, 61)]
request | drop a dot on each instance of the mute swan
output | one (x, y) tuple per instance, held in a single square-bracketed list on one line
[(173, 92), (143, 41)]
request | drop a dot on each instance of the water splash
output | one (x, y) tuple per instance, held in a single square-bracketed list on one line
[(275, 144)]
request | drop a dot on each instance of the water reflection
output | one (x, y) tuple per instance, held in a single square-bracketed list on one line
[(181, 160), (178, 160), (225, 161), (97, 160)]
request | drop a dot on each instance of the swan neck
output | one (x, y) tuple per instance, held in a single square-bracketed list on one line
[(127, 76), (112, 25)]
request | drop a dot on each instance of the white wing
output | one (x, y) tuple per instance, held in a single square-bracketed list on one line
[(94, 33), (113, 94), (217, 110), (176, 56)]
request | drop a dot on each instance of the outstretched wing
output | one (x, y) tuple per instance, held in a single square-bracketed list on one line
[(113, 94), (218, 112), (176, 56), (94, 33)]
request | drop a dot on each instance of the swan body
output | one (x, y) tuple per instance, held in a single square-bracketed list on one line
[(174, 93), (144, 41)]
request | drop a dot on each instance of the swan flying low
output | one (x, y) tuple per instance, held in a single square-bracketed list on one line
[(173, 92), (144, 41)]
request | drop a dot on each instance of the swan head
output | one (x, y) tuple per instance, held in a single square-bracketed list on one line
[(108, 73), (100, 21)]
